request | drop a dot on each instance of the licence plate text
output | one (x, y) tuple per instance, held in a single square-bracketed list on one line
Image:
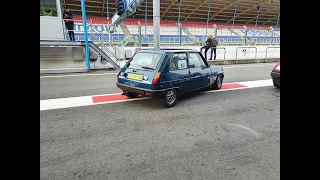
[(135, 76)]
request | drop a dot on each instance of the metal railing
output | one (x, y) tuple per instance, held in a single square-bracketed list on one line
[(168, 35), (120, 40), (224, 51), (246, 47), (97, 38), (267, 51), (102, 39)]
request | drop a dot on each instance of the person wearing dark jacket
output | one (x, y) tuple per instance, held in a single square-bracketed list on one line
[(214, 48), (207, 46), (68, 19)]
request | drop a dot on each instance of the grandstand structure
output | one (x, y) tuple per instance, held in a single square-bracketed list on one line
[(229, 17), (235, 23)]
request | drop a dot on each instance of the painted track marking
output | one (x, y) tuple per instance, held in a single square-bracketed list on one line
[(61, 103)]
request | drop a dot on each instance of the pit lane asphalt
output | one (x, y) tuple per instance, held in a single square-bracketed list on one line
[(220, 135), (86, 84)]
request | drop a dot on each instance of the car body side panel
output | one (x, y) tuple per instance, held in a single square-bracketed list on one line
[(175, 79), (199, 77), (203, 77)]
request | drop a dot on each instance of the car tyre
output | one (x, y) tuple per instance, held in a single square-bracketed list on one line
[(218, 83), (132, 95), (169, 98), (276, 85)]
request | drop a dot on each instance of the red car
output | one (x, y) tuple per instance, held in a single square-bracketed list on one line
[(275, 75)]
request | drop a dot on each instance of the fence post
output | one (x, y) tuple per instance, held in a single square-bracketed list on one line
[(109, 33), (139, 31), (237, 55), (272, 32), (256, 54), (245, 35), (84, 18), (215, 30), (180, 34), (267, 52)]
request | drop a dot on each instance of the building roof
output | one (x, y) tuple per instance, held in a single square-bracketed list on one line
[(221, 11)]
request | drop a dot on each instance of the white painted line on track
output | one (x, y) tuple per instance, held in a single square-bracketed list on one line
[(261, 83), (65, 102), (61, 103)]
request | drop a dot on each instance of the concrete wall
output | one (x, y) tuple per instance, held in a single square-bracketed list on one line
[(51, 28), (62, 57)]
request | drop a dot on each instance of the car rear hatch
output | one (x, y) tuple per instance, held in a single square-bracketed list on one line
[(140, 70)]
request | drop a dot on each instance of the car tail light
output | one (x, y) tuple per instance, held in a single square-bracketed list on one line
[(277, 67), (119, 72), (156, 78)]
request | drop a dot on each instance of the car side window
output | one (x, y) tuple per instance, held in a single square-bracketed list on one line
[(195, 60), (178, 62)]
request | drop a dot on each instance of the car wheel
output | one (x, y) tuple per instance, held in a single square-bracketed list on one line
[(218, 83), (132, 95), (169, 98), (276, 85)]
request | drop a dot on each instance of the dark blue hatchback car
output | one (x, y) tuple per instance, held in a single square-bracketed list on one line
[(166, 73)]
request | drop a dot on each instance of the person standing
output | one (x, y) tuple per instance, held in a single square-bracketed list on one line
[(214, 48), (207, 46), (68, 19)]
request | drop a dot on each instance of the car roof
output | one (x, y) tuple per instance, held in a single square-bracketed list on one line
[(167, 50)]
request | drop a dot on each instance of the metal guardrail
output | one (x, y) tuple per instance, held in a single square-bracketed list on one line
[(118, 40), (247, 47), (224, 53), (270, 48)]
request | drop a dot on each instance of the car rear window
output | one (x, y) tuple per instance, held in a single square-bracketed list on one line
[(146, 61)]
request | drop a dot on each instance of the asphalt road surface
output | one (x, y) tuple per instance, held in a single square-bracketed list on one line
[(62, 86), (221, 135)]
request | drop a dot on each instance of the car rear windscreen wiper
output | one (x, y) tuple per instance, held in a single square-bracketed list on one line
[(144, 67)]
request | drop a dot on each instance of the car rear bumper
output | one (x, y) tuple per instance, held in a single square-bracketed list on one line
[(142, 91), (275, 75)]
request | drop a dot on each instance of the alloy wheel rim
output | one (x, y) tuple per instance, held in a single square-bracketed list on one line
[(219, 81), (171, 97)]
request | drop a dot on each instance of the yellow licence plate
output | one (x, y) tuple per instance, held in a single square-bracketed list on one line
[(135, 76)]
